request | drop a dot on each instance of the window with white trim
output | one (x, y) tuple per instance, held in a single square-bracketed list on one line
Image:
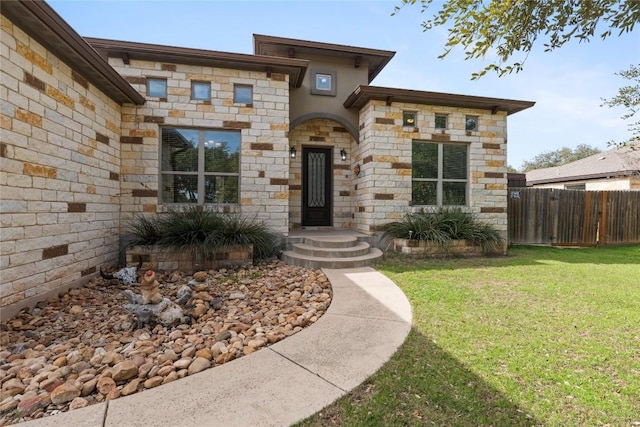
[(199, 166), (439, 174)]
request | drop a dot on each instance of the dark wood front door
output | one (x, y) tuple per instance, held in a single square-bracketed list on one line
[(316, 186)]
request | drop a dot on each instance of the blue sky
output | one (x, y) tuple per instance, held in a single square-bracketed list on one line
[(567, 85)]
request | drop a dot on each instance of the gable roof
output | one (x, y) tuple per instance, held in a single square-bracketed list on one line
[(609, 164), (363, 94), (41, 22), (285, 47), (295, 68)]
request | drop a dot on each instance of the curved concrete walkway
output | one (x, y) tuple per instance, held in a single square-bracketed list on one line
[(368, 319)]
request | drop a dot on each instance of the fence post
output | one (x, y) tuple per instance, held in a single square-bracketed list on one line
[(602, 228)]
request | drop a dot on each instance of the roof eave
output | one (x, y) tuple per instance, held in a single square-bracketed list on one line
[(580, 177), (42, 23), (383, 56), (295, 68), (363, 94)]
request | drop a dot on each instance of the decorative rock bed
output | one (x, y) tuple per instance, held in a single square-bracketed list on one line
[(83, 347)]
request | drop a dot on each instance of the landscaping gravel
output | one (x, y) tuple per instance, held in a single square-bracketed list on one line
[(84, 347)]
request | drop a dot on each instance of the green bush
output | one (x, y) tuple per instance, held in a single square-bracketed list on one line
[(202, 232), (442, 227)]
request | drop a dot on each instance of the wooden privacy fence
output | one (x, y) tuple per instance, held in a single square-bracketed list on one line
[(573, 217)]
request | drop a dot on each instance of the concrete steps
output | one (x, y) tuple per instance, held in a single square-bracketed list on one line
[(332, 251)]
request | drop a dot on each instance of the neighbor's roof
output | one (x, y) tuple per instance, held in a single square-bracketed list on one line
[(295, 68), (40, 21), (363, 94), (609, 164), (285, 47)]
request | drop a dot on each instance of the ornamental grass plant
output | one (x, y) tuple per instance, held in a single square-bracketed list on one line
[(202, 232), (443, 226)]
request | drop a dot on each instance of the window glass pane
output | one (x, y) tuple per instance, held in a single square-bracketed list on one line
[(179, 188), (323, 81), (221, 151), (243, 94), (220, 189), (157, 87), (454, 193), (409, 119), (201, 90), (441, 121), (424, 193), (471, 123), (425, 160), (179, 150), (454, 162)]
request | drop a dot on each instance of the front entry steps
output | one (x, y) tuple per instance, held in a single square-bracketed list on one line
[(333, 251)]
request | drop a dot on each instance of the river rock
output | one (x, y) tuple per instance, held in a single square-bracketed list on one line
[(200, 276), (77, 403), (81, 339), (122, 371), (131, 387), (200, 364), (28, 406), (64, 393), (153, 382), (105, 385)]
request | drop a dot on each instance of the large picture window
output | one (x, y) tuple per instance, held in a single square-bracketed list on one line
[(200, 166), (439, 174)]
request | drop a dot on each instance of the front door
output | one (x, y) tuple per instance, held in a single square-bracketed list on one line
[(316, 186)]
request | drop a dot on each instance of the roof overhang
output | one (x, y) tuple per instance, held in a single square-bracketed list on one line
[(585, 177), (295, 68), (41, 22), (363, 94), (285, 47)]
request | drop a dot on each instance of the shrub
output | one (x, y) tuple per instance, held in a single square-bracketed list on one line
[(202, 232), (443, 226)]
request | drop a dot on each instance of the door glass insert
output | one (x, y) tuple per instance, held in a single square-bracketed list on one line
[(316, 182)]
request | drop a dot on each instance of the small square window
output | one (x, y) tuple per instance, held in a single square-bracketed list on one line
[(243, 94), (471, 123), (409, 119), (323, 82), (157, 88), (441, 121), (201, 91)]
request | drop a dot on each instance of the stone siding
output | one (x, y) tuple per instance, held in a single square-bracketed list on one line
[(157, 258), (383, 189), (264, 125), (329, 134), (59, 172)]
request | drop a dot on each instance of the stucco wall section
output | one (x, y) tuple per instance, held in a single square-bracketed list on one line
[(383, 190), (328, 134), (264, 125), (59, 172)]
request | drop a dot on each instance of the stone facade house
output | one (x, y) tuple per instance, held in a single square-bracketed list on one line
[(94, 131)]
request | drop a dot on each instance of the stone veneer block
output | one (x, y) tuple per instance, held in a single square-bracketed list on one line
[(102, 138), (55, 251)]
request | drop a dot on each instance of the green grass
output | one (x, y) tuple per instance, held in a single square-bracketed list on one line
[(542, 337)]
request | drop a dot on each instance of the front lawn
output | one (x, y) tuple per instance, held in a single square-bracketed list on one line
[(542, 337)]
